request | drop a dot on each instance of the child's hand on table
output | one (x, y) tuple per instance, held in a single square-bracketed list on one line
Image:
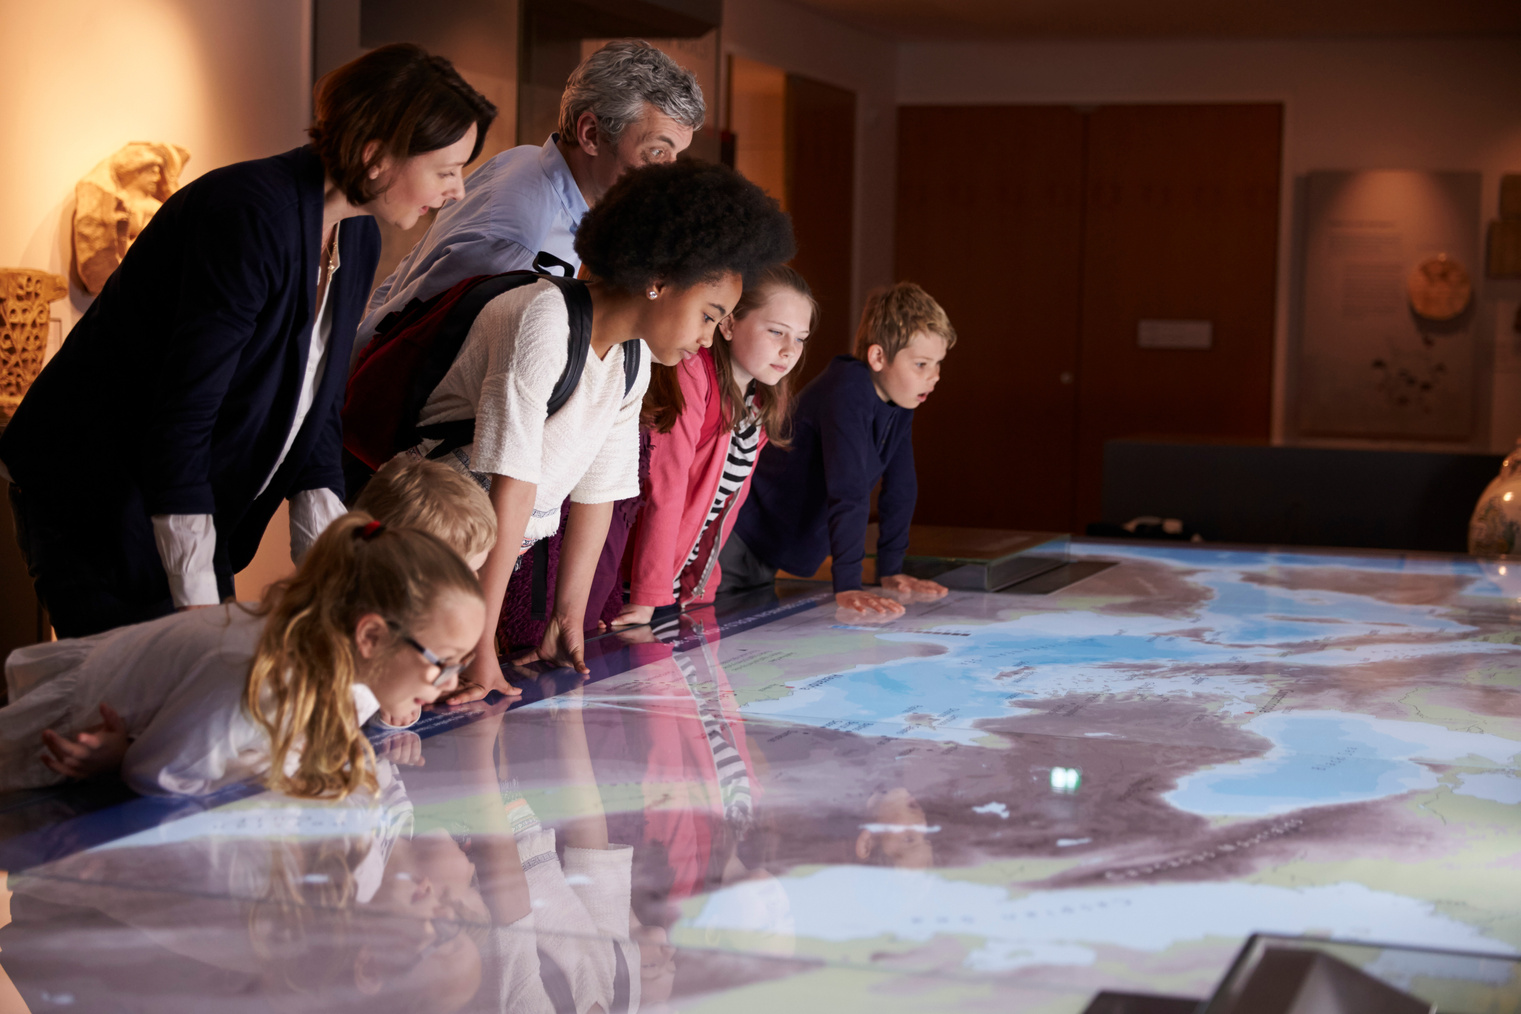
[(563, 645), (483, 675), (862, 601), (97, 749), (916, 588), (633, 616)]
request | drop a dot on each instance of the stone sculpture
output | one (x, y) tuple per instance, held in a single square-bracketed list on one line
[(24, 315), (116, 199)]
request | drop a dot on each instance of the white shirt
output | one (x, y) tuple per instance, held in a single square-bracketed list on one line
[(176, 681), (187, 542), (503, 376)]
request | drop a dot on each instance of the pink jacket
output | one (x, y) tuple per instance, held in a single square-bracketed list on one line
[(685, 466)]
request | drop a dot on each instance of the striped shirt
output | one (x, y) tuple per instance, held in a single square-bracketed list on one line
[(744, 448)]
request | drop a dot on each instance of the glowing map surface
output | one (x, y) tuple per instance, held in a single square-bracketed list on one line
[(996, 802)]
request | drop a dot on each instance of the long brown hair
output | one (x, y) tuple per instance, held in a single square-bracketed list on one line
[(300, 686), (664, 403)]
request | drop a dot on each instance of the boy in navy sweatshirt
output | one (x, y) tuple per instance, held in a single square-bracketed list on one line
[(853, 426)]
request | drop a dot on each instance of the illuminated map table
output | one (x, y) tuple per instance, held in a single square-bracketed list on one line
[(996, 802)]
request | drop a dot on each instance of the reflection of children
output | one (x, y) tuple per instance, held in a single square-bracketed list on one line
[(292, 906), (374, 617), (709, 418), (852, 427)]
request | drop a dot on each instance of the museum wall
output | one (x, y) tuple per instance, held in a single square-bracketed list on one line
[(227, 79), (800, 41), (1366, 104)]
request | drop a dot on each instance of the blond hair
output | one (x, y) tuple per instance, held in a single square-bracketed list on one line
[(300, 685), (892, 316), (411, 492)]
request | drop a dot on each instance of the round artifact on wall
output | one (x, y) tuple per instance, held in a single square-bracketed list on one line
[(25, 315), (116, 199), (1439, 288)]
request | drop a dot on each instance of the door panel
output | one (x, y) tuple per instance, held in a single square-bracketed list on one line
[(989, 221), (1181, 224), (821, 167)]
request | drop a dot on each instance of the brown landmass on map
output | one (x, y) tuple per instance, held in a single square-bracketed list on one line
[(1387, 586), (1148, 588)]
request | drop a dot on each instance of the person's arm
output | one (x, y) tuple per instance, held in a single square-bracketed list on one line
[(232, 264), (655, 552), (512, 499), (564, 637), (846, 444), (895, 513), (311, 511), (525, 354)]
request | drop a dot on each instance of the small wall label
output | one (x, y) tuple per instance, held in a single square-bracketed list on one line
[(1175, 334)]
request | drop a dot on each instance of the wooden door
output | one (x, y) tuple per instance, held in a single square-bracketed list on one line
[(1181, 225), (989, 221), (820, 183)]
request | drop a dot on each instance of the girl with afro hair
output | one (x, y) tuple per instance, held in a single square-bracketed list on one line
[(669, 249)]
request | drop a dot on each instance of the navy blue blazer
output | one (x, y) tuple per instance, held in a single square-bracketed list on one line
[(176, 390)]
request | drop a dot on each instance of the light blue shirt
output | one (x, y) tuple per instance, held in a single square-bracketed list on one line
[(520, 202)]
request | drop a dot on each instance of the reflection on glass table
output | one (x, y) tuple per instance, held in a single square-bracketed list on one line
[(993, 802)]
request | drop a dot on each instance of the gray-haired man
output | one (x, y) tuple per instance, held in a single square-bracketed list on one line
[(626, 105)]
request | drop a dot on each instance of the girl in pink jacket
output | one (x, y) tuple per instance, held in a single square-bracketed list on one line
[(707, 420)]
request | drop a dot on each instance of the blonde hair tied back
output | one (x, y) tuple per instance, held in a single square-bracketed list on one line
[(300, 684)]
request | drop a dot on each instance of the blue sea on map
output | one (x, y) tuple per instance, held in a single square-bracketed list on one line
[(987, 669), (1323, 757)]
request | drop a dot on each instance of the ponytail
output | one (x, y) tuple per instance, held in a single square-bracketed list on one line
[(300, 686)]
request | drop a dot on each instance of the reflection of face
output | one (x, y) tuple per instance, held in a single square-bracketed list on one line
[(657, 963), (679, 322), (767, 343), (913, 372), (417, 185), (652, 139), (401, 679), (906, 846), (428, 886)]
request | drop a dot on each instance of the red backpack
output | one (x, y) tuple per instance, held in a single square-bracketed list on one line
[(414, 347)]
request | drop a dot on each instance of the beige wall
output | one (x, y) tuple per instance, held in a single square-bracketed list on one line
[(1393, 104), (228, 79), (800, 41)]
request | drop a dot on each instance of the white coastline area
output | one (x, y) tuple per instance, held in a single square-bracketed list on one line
[(1067, 927)]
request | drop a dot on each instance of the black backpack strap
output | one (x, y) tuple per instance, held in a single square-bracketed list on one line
[(544, 260), (538, 598), (631, 356), (578, 306)]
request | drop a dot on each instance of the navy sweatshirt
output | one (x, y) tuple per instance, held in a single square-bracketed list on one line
[(815, 499)]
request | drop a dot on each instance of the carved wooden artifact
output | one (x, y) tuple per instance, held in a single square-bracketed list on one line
[(116, 199), (24, 314)]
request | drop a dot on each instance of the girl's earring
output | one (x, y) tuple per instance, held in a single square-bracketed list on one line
[(654, 293)]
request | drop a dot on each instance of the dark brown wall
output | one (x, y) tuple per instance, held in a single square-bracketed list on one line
[(993, 230), (821, 166), (1182, 223), (1048, 233)]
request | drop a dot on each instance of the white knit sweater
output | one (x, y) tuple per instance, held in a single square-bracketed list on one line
[(503, 376)]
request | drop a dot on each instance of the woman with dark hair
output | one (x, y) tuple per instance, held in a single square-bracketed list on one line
[(669, 249), (204, 384)]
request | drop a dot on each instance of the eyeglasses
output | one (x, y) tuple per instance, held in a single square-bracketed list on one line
[(446, 672)]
